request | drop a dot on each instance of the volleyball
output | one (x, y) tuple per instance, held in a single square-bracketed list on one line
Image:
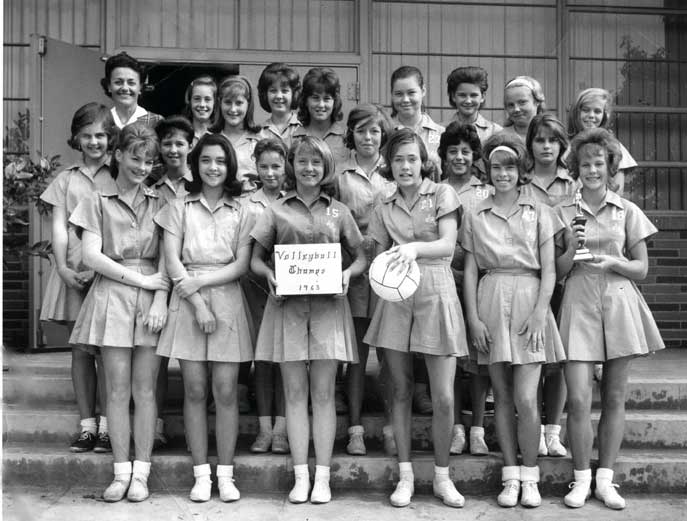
[(393, 285)]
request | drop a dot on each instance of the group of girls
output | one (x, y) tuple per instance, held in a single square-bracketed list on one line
[(184, 269)]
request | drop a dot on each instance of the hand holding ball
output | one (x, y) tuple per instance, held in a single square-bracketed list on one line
[(393, 285)]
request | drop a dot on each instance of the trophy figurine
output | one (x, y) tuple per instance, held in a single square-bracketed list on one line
[(582, 253)]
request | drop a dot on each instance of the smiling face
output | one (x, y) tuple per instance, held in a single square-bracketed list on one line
[(212, 166), (270, 167), (468, 98), (320, 106), (545, 147), (174, 149), (308, 169), (503, 172), (134, 165), (202, 103), (125, 86), (593, 167), (406, 97), (93, 141), (592, 113), (520, 105), (234, 108), (406, 166), (280, 97), (458, 159), (367, 138)]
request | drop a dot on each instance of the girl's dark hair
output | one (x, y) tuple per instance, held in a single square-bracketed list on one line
[(278, 147), (87, 115), (474, 75), (520, 159), (457, 132), (601, 139), (136, 137), (406, 136), (320, 79), (232, 186), (551, 122), (173, 124), (121, 60), (366, 113), (231, 86), (405, 71), (286, 76), (317, 146), (200, 81)]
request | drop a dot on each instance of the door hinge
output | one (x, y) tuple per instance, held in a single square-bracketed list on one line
[(42, 43)]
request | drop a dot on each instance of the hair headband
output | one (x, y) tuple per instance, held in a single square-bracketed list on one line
[(503, 148), (520, 82)]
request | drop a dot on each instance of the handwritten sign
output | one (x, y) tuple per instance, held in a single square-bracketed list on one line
[(308, 269)]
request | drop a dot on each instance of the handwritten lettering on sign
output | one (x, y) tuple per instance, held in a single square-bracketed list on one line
[(308, 269)]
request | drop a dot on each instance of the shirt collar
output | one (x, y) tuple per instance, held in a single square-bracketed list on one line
[(80, 166), (488, 202), (138, 113), (259, 197), (427, 187), (425, 122), (293, 121), (226, 200), (292, 194)]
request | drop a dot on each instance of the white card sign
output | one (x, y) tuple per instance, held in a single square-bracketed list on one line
[(308, 269)]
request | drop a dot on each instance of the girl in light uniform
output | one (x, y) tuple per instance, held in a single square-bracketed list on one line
[(201, 106), (279, 91), (523, 98)]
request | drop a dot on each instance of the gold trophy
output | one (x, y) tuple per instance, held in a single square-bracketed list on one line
[(582, 253)]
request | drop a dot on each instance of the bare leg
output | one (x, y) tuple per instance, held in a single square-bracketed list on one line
[(264, 387), (555, 393), (322, 383), (612, 421), (161, 386), (479, 386), (295, 378), (356, 373), (84, 381), (144, 370), (442, 374), (578, 376), (195, 375), (504, 411), (102, 384), (117, 364), (224, 388), (525, 384), (401, 374), (457, 395)]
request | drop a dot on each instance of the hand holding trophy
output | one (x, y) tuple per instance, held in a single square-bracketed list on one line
[(582, 253)]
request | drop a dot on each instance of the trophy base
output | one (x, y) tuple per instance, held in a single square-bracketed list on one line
[(583, 255)]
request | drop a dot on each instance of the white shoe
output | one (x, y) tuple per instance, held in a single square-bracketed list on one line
[(402, 494), (458, 440), (446, 491), (138, 489), (301, 490), (543, 450), (356, 442), (117, 489), (478, 447), (530, 496), (321, 493), (202, 489), (227, 490), (553, 441), (580, 492), (609, 495), (509, 495)]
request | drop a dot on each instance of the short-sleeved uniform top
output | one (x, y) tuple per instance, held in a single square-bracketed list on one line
[(246, 172), (485, 128), (430, 133), (170, 190), (269, 130), (509, 130), (561, 188), (333, 138), (603, 315), (66, 191)]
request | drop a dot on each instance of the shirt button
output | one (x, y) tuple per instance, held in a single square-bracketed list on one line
[(133, 225)]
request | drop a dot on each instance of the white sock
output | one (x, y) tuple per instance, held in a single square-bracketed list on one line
[(102, 425), (301, 471), (279, 425), (322, 472), (604, 476), (581, 476), (225, 471), (388, 430), (477, 431), (89, 425), (440, 474), (122, 469), (265, 423), (141, 469), (405, 470), (459, 428)]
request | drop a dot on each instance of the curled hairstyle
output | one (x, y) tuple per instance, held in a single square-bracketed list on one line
[(87, 115), (596, 139), (320, 79), (474, 75), (232, 186), (313, 145), (405, 71), (405, 136), (135, 137), (285, 75), (122, 60), (366, 114), (272, 145), (172, 125), (535, 89), (457, 132), (200, 81), (518, 158), (584, 97), (552, 123), (236, 85)]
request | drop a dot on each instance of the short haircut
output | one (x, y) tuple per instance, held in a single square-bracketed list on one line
[(405, 71), (313, 145), (584, 97), (600, 139), (172, 125), (551, 122), (286, 76), (232, 186), (205, 81), (134, 137), (474, 75), (366, 113), (87, 115), (406, 136), (457, 132), (122, 60), (236, 85), (519, 158), (320, 79)]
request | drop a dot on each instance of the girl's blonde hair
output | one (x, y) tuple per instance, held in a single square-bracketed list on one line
[(316, 146), (584, 97), (135, 137), (599, 139), (535, 90)]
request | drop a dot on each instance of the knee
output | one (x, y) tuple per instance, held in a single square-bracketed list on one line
[(143, 392), (119, 391), (527, 407), (614, 399), (322, 394), (195, 391), (224, 394), (295, 393), (442, 402), (579, 401), (403, 391)]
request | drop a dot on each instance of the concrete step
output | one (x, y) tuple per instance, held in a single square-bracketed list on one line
[(643, 429), (50, 465)]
